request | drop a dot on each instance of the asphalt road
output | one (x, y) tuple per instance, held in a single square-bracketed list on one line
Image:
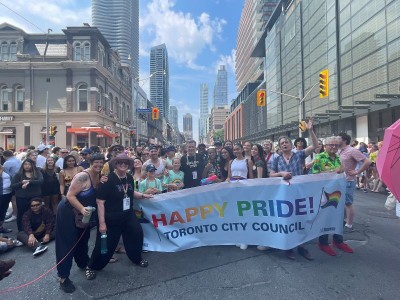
[(226, 272)]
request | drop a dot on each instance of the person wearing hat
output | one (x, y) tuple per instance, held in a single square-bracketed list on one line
[(86, 153), (117, 218), (170, 157), (113, 151), (43, 152), (150, 185), (156, 161)]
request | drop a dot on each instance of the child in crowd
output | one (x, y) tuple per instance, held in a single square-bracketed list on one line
[(173, 179), (151, 185)]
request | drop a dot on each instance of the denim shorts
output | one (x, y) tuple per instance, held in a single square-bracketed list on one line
[(350, 188)]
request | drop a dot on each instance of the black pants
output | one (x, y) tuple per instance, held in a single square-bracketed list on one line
[(323, 239), (67, 234), (132, 236), (4, 202), (23, 205)]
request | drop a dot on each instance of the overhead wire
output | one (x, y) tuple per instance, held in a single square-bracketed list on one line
[(21, 16)]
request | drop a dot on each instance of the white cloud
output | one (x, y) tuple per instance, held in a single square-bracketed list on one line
[(185, 36), (55, 14), (228, 61)]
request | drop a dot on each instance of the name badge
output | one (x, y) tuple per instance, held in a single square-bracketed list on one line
[(194, 173), (127, 203)]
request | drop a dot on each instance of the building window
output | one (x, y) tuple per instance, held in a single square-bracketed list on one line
[(116, 109), (77, 51), (19, 98), (4, 51), (4, 99), (86, 51), (82, 97), (13, 52)]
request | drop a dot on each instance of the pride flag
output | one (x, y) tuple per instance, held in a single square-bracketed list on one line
[(330, 199)]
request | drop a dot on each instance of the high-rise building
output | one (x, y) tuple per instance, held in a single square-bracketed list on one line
[(173, 117), (159, 80), (221, 87), (253, 20), (188, 126), (203, 112), (118, 21)]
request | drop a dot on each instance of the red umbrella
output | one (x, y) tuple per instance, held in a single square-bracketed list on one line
[(388, 162)]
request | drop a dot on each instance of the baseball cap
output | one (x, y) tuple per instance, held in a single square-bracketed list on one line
[(150, 168), (217, 143), (86, 151), (42, 147)]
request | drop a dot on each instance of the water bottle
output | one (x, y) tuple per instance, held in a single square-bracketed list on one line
[(86, 218), (103, 243)]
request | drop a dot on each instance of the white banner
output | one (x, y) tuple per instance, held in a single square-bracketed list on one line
[(270, 212)]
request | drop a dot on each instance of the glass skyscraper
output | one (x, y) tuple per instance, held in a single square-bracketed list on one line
[(118, 21), (159, 80), (173, 117), (203, 112), (221, 88)]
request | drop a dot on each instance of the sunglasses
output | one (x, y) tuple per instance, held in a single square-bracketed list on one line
[(123, 163), (35, 205), (332, 145)]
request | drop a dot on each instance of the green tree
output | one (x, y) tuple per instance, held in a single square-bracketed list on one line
[(219, 135)]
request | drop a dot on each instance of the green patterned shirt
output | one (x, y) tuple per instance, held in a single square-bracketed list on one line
[(323, 163)]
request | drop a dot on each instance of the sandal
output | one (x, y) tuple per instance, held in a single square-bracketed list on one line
[(90, 274), (120, 249), (113, 260), (143, 263)]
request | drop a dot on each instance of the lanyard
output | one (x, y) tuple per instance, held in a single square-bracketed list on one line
[(124, 187)]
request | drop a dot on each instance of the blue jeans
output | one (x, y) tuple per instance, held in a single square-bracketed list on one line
[(350, 188)]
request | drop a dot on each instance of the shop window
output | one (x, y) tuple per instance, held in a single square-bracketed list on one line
[(19, 98), (82, 97)]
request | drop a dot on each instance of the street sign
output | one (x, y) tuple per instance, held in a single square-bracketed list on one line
[(143, 110), (388, 96)]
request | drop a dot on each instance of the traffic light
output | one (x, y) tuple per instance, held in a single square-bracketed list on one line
[(155, 113), (324, 84), (52, 130), (132, 132), (261, 97), (303, 126)]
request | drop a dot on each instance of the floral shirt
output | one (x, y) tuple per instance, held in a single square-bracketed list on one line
[(323, 162)]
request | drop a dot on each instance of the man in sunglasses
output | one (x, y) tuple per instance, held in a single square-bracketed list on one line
[(60, 161), (113, 151), (329, 161), (38, 227)]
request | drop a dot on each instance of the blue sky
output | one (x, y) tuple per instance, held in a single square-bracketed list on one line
[(199, 34)]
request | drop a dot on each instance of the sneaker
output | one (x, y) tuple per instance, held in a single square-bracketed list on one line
[(262, 248), (17, 243), (12, 218), (365, 190), (40, 249), (67, 286), (348, 228), (327, 249), (243, 246), (344, 247)]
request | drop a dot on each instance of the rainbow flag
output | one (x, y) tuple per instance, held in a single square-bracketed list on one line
[(331, 199), (140, 216)]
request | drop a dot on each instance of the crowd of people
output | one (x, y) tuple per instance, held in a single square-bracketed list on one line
[(52, 190)]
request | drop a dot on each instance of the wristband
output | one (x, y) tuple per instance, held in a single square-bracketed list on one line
[(142, 195)]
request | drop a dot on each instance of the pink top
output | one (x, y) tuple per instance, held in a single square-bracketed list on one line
[(349, 157)]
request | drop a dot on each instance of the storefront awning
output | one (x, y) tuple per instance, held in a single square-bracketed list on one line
[(100, 131), (8, 130)]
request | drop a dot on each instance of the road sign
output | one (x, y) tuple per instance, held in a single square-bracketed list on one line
[(388, 96), (143, 110)]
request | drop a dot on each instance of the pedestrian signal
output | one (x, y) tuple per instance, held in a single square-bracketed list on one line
[(155, 113), (52, 130), (324, 84), (303, 126), (261, 97)]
